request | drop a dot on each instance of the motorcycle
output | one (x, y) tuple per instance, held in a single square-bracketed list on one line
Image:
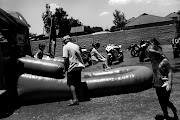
[(134, 50), (142, 50), (86, 55), (114, 53)]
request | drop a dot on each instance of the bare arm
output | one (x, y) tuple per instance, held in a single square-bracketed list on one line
[(168, 84), (98, 54), (66, 63), (36, 55), (170, 76), (152, 50), (66, 58), (48, 54)]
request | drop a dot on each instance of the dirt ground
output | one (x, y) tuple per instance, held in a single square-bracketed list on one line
[(133, 106)]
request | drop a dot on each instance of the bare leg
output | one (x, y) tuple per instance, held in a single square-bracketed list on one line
[(106, 64), (73, 91), (70, 77)]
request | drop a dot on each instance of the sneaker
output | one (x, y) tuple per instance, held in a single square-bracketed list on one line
[(73, 102), (108, 68)]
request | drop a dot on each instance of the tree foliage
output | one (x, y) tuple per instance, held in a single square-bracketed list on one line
[(119, 19), (107, 29), (114, 28), (32, 35), (46, 16), (63, 23)]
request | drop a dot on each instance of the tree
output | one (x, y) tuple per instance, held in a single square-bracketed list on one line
[(61, 21), (119, 19), (97, 29), (46, 16), (74, 22), (107, 30), (32, 35), (114, 28)]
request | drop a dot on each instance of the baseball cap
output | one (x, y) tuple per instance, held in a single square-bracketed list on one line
[(66, 37)]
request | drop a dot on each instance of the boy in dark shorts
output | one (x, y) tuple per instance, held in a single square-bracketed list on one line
[(73, 65)]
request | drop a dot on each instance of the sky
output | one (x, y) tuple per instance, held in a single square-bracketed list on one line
[(90, 12)]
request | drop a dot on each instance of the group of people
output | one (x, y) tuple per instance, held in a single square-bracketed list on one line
[(162, 71), (95, 55)]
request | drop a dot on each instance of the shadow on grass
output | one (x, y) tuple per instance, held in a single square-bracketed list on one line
[(8, 107), (8, 111), (161, 117)]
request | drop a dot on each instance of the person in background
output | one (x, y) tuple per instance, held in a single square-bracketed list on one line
[(162, 77), (97, 57), (73, 65), (175, 42), (41, 52)]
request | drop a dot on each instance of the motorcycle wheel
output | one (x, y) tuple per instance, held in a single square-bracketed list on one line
[(141, 56), (85, 57), (135, 52)]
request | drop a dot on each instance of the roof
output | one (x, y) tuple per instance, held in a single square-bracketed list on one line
[(147, 19), (18, 15), (172, 15), (131, 19), (178, 12), (10, 22)]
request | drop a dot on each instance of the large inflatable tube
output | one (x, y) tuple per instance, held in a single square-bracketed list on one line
[(101, 83), (57, 59), (41, 67), (120, 80)]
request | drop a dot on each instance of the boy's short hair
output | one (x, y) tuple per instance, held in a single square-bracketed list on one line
[(41, 45), (98, 44), (155, 41)]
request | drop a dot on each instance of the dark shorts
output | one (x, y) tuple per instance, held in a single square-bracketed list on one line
[(74, 77)]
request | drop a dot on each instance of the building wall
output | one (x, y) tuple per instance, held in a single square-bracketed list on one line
[(163, 33)]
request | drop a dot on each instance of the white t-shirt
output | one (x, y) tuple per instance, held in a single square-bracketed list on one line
[(72, 51)]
